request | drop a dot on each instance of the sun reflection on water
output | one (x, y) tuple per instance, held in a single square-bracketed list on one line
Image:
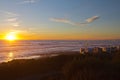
[(10, 56)]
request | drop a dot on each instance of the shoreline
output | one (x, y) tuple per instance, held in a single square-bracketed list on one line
[(66, 66), (44, 55), (57, 53)]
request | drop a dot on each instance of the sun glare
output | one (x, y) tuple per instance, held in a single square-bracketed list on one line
[(11, 36)]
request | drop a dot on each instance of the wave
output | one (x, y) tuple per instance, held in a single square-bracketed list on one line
[(20, 49)]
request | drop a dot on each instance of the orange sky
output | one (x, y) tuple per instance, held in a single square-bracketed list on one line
[(60, 19)]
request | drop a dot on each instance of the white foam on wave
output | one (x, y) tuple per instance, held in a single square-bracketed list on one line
[(24, 49)]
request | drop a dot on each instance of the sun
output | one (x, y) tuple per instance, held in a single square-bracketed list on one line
[(11, 36)]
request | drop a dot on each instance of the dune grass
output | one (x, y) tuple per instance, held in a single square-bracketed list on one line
[(68, 66)]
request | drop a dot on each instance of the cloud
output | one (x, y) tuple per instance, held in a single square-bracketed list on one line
[(60, 20), (15, 24), (28, 1), (9, 14), (89, 20), (12, 19), (63, 20), (67, 21)]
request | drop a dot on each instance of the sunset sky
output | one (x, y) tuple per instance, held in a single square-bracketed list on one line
[(60, 19)]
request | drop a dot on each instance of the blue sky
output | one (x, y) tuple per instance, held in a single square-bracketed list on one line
[(61, 19)]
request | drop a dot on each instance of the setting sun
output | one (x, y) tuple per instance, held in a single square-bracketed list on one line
[(11, 36)]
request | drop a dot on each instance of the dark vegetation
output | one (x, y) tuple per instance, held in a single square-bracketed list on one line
[(74, 66)]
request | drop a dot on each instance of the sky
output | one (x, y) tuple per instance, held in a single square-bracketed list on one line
[(60, 19)]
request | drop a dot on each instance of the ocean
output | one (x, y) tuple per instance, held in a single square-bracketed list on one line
[(27, 49)]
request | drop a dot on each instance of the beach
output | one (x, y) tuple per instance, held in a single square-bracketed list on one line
[(60, 60), (59, 39), (67, 66), (27, 49)]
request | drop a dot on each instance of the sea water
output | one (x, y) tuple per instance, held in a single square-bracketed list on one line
[(26, 49)]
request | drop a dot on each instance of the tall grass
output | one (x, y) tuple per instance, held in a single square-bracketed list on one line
[(64, 67)]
